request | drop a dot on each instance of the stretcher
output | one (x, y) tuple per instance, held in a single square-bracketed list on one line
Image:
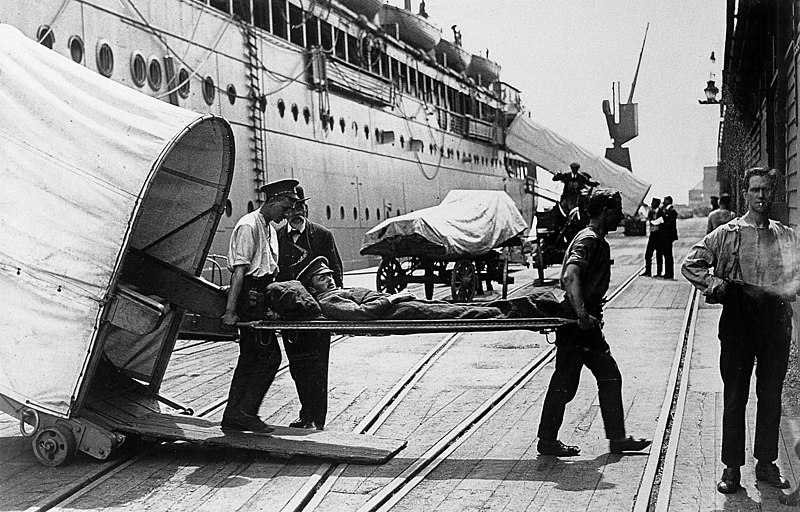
[(543, 325)]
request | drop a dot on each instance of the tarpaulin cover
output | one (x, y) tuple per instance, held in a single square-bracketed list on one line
[(467, 223), (554, 153), (80, 156)]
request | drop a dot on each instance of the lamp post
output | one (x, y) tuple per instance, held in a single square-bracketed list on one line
[(711, 89)]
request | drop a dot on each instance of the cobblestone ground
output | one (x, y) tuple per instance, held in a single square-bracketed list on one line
[(791, 387)]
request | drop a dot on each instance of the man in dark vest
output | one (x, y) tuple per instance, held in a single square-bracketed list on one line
[(299, 242)]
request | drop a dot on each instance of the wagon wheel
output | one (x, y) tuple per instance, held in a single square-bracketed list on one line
[(390, 277), (430, 276), (55, 445), (463, 281)]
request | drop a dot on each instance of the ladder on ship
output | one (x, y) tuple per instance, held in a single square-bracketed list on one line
[(258, 103)]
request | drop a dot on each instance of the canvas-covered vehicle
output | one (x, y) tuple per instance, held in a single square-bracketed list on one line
[(455, 243), (110, 201)]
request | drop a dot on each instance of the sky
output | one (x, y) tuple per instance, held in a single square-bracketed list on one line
[(564, 55)]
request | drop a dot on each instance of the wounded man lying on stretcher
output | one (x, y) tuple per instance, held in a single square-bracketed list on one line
[(364, 304)]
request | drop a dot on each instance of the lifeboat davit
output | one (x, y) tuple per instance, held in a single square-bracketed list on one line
[(487, 70), (413, 29), (368, 8), (452, 55)]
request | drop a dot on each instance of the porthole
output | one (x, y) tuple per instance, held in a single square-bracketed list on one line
[(366, 213), (183, 81), (295, 111), (281, 108), (355, 213), (45, 36), (378, 213), (209, 91), (328, 212), (262, 103), (76, 49), (330, 122), (228, 208), (341, 124), (402, 142), (341, 212), (377, 134), (105, 59), (231, 90), (138, 69), (306, 114), (354, 126), (366, 132), (250, 206), (154, 76)]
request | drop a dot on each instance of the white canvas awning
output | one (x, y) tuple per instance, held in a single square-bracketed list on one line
[(554, 153), (89, 167)]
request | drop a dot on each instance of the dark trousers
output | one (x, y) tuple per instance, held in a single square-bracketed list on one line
[(577, 348), (652, 246), (308, 353), (753, 333), (666, 253), (259, 360)]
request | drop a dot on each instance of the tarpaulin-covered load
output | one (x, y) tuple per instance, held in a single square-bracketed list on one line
[(550, 151), (90, 170), (467, 223)]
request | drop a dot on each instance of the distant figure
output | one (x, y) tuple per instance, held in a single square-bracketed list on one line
[(422, 12), (668, 235), (655, 219), (714, 203), (577, 185), (456, 35), (756, 277), (585, 276), (721, 215)]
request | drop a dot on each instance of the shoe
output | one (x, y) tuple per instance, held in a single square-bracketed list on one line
[(557, 448), (729, 483), (769, 473), (245, 423), (628, 444), (307, 424)]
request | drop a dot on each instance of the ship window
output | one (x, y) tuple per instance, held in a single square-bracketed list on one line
[(385, 65), (45, 36), (353, 56), (296, 25), (228, 208), (394, 71), (330, 122), (342, 124), (279, 18), (402, 142), (306, 114), (241, 8), (138, 69), (154, 74), (367, 213), (378, 213), (261, 14), (183, 81), (412, 80), (231, 90), (295, 111), (403, 77), (325, 35), (328, 211), (220, 5), (76, 48), (312, 32), (341, 212), (105, 59), (366, 132), (339, 43), (355, 213), (281, 108), (377, 134), (209, 90), (354, 125), (250, 206)]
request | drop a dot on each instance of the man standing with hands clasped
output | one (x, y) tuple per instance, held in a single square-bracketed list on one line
[(585, 276), (755, 277)]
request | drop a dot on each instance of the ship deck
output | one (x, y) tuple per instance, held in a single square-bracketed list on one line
[(468, 405)]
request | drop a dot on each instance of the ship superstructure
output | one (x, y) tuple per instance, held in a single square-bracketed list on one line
[(366, 104)]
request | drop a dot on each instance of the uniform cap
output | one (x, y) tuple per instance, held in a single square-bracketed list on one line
[(286, 188), (318, 266)]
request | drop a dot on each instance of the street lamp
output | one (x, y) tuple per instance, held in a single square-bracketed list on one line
[(711, 89)]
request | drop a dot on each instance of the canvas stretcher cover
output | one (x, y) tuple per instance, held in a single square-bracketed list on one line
[(467, 223), (89, 168), (554, 153)]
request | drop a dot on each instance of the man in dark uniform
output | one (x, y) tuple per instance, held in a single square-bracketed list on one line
[(299, 242), (585, 276), (576, 183), (654, 221), (253, 262), (669, 234)]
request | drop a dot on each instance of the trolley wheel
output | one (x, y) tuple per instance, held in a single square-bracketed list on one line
[(463, 281), (390, 276), (55, 445)]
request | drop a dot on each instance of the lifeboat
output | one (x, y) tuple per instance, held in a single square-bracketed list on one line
[(452, 55), (413, 29), (368, 8), (487, 70)]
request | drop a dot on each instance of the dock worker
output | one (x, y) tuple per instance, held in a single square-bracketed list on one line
[(299, 242), (365, 304), (576, 185), (654, 221), (755, 277), (253, 261), (721, 215), (585, 276)]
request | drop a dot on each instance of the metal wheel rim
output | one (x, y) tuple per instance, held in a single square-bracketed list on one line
[(53, 446)]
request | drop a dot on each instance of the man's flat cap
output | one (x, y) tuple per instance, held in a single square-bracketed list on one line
[(286, 188)]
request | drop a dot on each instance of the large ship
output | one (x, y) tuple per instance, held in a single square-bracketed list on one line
[(360, 101)]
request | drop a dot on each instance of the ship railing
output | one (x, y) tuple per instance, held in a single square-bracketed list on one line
[(478, 129), (345, 77)]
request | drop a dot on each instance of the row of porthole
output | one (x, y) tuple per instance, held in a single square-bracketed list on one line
[(141, 71), (328, 211)]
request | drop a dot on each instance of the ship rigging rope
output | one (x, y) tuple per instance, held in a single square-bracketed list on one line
[(49, 30), (407, 120)]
